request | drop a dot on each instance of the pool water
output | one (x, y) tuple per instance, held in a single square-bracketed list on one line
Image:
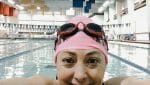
[(39, 60)]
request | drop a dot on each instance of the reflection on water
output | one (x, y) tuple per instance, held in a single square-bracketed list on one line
[(41, 62), (10, 47), (136, 54), (30, 63), (119, 68)]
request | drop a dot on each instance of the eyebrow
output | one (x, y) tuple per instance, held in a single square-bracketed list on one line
[(70, 53), (93, 52)]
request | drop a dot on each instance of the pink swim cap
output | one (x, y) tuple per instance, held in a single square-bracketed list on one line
[(80, 40)]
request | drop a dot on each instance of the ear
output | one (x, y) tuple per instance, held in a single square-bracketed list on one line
[(115, 81)]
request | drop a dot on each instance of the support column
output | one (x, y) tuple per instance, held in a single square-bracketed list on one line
[(118, 10), (148, 9)]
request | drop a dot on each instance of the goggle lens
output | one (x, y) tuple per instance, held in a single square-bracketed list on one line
[(94, 27), (66, 27)]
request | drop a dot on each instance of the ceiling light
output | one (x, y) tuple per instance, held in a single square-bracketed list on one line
[(101, 9), (104, 6), (20, 7), (106, 3), (38, 8), (11, 2)]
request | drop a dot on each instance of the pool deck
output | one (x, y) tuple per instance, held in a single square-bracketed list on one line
[(137, 41)]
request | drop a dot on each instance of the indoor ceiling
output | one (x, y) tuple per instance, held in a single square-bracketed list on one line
[(58, 6)]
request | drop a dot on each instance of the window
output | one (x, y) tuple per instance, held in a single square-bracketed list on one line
[(139, 4)]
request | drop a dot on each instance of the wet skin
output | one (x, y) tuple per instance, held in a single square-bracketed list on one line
[(80, 67)]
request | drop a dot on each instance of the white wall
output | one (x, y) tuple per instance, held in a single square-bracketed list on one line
[(142, 36), (98, 19), (148, 10), (1, 18), (139, 20), (42, 19)]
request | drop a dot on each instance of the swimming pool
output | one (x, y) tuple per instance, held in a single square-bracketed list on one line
[(36, 57)]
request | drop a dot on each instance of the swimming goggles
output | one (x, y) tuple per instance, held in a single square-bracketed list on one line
[(91, 29)]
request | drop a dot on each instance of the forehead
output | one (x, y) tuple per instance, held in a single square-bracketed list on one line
[(81, 52)]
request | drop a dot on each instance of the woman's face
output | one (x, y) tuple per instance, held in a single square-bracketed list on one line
[(80, 67)]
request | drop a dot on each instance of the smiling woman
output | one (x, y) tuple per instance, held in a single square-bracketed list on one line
[(80, 57), (81, 53), (81, 67)]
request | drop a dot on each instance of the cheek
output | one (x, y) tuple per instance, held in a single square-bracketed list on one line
[(64, 74), (97, 73)]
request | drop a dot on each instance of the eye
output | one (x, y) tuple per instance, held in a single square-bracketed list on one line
[(68, 62), (93, 62)]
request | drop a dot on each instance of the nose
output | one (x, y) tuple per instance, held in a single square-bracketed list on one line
[(80, 74)]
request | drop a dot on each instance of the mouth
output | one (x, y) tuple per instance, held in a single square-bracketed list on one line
[(80, 84), (89, 82)]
